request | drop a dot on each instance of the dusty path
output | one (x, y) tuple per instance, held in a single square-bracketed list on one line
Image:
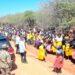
[(68, 65), (34, 66)]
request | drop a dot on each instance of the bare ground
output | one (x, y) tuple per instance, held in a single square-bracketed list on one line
[(36, 67)]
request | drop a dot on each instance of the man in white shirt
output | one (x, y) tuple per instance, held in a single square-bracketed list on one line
[(17, 39), (22, 49)]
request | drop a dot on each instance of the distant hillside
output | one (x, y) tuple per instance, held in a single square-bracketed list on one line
[(24, 20), (12, 18)]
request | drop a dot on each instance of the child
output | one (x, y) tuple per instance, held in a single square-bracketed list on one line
[(58, 64)]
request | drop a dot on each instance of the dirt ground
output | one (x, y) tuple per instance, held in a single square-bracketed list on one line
[(36, 67)]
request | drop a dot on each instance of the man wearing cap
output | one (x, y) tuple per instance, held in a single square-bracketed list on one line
[(5, 59)]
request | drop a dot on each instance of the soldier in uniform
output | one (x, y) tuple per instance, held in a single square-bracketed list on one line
[(5, 60)]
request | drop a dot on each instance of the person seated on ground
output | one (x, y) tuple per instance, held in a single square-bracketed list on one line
[(5, 59)]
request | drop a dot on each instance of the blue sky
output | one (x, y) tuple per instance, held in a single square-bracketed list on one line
[(18, 6)]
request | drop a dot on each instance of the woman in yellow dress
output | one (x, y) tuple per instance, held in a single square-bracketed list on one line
[(41, 53)]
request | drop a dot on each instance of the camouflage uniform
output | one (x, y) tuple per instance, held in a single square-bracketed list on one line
[(5, 61)]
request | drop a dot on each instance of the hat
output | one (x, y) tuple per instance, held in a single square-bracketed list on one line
[(4, 46)]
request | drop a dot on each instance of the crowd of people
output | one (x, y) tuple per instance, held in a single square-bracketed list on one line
[(61, 43)]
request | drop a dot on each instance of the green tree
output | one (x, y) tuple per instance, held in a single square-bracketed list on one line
[(64, 12), (29, 18)]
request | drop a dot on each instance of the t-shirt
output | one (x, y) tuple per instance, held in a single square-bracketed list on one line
[(22, 46), (17, 39)]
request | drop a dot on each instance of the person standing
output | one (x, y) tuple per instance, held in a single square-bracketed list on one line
[(22, 49), (58, 64), (17, 39), (42, 52), (5, 60)]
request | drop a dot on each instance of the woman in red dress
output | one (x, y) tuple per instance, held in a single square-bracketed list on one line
[(58, 64)]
